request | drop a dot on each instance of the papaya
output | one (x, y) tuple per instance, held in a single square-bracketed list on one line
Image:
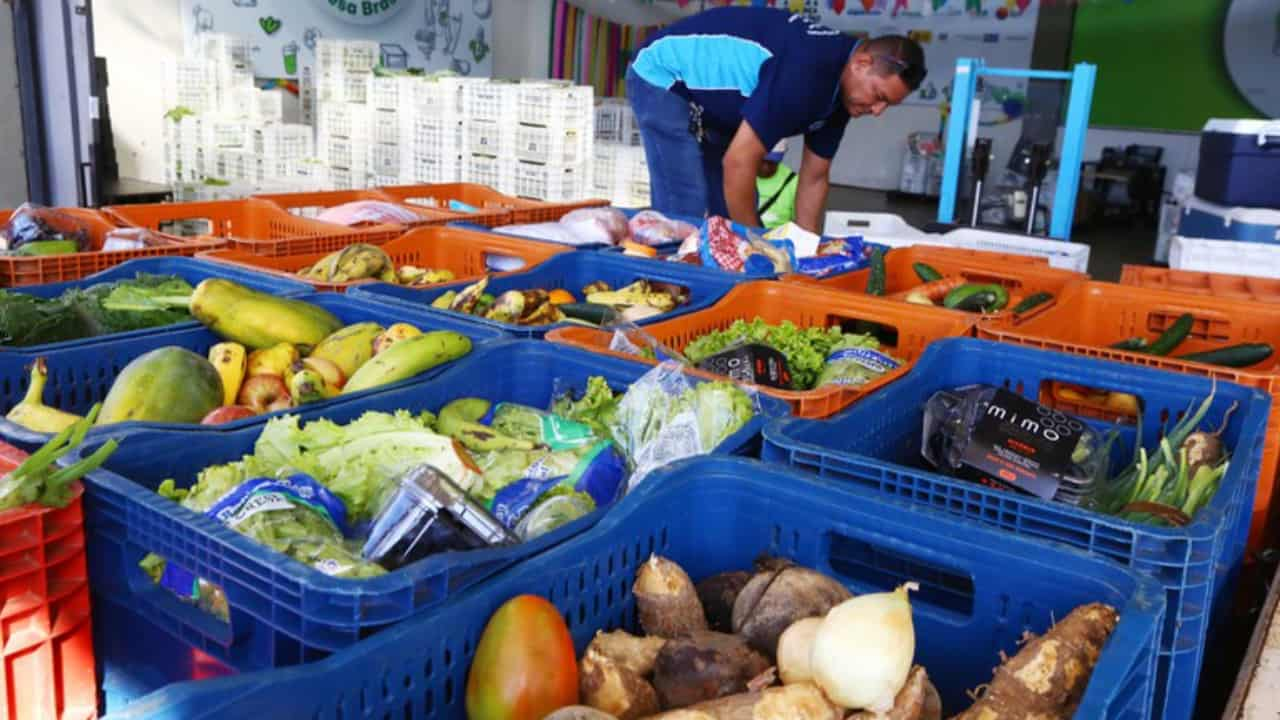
[(169, 384), (258, 320), (524, 667)]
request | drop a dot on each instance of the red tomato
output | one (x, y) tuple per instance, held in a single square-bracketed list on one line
[(525, 666)]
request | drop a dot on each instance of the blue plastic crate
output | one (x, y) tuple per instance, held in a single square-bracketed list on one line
[(979, 591), (570, 271), (876, 444), (192, 270), (81, 376), (282, 611)]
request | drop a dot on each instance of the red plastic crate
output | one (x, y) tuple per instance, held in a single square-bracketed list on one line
[(42, 269), (496, 209), (251, 224), (46, 636)]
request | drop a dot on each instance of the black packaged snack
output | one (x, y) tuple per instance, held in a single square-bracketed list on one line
[(998, 438), (426, 514), (751, 363)]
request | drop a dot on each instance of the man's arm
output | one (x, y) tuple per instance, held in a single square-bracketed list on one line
[(812, 184), (741, 165)]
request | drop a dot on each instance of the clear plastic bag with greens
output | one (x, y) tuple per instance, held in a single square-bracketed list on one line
[(38, 230), (632, 339)]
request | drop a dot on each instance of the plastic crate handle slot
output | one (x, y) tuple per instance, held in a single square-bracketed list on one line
[(162, 601), (501, 262), (1074, 398), (864, 558)]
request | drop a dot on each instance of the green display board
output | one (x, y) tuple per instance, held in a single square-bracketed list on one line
[(1160, 63)]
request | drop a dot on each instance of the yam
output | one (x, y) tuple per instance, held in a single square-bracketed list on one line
[(802, 701), (917, 700), (666, 600), (612, 687), (704, 666), (795, 650), (773, 600), (717, 594), (637, 654), (1048, 676), (579, 712)]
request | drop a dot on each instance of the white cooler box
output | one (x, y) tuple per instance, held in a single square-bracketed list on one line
[(1225, 256), (1203, 219), (1240, 163)]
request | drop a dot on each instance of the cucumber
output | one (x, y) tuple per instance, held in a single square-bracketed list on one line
[(875, 283), (977, 298), (1032, 301), (925, 272), (593, 313), (1242, 355), (1173, 336), (1138, 344)]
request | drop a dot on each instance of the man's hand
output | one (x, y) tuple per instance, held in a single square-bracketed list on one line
[(811, 190), (741, 165)]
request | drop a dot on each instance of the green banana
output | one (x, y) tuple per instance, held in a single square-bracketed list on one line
[(445, 300), (258, 320), (407, 358), (458, 421), (350, 347)]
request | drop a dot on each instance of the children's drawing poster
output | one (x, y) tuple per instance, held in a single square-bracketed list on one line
[(430, 34), (1001, 32)]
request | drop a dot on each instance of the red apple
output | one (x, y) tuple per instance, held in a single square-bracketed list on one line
[(264, 394), (226, 414)]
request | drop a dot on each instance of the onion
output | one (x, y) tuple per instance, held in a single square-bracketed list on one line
[(863, 650), (795, 651)]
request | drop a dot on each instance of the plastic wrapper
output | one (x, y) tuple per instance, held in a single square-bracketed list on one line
[(632, 339), (368, 212), (131, 239), (35, 229), (608, 225), (554, 232), (665, 416), (729, 246), (427, 514), (998, 438), (856, 360), (650, 227)]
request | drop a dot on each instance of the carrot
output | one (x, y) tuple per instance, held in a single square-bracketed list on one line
[(935, 291)]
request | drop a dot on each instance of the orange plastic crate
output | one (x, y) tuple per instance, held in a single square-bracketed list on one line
[(38, 270), (1022, 275), (46, 639), (806, 306), (310, 204), (1089, 317), (492, 203), (466, 253), (249, 224), (1238, 287)]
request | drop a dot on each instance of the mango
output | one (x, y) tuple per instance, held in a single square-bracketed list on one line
[(258, 320), (169, 384), (524, 667)]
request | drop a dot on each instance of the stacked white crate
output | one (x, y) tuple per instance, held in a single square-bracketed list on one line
[(343, 69), (555, 137), (616, 167), (184, 155), (616, 122), (343, 143), (489, 133), (391, 125), (436, 127)]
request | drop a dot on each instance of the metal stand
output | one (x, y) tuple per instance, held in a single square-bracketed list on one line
[(978, 165), (1039, 167), (962, 128)]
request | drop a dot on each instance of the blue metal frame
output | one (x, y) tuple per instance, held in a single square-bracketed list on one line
[(961, 132)]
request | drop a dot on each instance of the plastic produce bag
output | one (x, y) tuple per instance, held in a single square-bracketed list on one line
[(998, 438), (650, 227), (729, 246), (553, 232), (38, 230), (608, 225), (371, 212), (665, 416), (132, 239)]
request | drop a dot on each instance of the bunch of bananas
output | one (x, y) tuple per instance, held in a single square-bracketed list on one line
[(519, 307), (369, 262)]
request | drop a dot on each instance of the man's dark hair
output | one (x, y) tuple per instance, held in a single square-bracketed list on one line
[(898, 55)]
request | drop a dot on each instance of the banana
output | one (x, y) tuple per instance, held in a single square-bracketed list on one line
[(394, 334), (308, 386), (458, 421), (445, 301), (350, 347), (274, 360), (229, 360), (32, 413), (407, 358), (258, 320)]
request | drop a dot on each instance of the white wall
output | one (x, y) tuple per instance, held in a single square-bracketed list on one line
[(521, 38), (136, 37), (13, 168)]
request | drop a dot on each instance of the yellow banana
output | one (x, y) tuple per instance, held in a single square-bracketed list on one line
[(394, 334), (231, 362), (274, 360), (32, 413), (308, 386), (408, 358), (350, 347)]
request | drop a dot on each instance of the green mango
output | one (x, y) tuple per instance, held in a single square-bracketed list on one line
[(169, 384)]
